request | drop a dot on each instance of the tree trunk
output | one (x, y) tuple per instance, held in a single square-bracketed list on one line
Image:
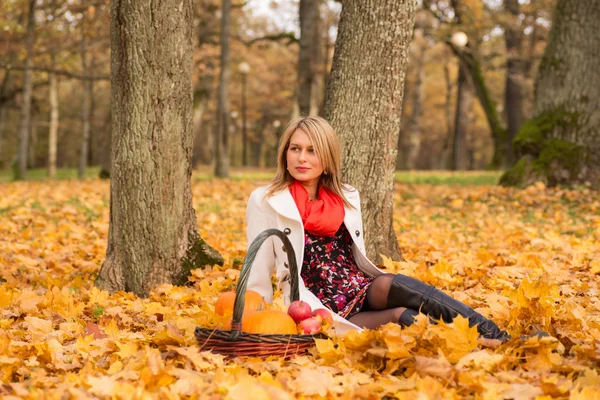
[(105, 148), (153, 238), (33, 139), (25, 122), (364, 105), (515, 75), (259, 135), (446, 160), (414, 122), (464, 102), (85, 107), (468, 59), (561, 144), (308, 55), (202, 150), (53, 133), (222, 137)]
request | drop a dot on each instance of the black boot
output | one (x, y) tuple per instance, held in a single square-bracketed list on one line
[(416, 295)]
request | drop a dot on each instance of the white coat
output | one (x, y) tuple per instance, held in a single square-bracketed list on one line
[(280, 212)]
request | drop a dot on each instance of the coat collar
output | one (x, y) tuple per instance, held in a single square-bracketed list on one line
[(283, 203)]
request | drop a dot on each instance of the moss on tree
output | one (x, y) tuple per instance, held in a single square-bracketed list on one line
[(544, 158), (199, 255)]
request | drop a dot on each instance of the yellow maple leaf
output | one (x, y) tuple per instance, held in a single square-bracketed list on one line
[(29, 300), (459, 339), (126, 350)]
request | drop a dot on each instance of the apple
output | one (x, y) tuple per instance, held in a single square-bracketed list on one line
[(299, 311), (309, 326), (323, 315)]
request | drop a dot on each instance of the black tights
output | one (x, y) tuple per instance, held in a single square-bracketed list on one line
[(375, 312)]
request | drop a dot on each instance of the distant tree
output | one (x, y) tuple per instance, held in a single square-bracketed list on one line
[(153, 237), (364, 104), (25, 122), (515, 73), (309, 55), (561, 143), (222, 138)]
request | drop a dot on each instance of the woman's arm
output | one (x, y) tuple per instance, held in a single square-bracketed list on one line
[(264, 263)]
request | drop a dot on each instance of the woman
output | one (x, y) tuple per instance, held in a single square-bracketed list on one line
[(323, 221)]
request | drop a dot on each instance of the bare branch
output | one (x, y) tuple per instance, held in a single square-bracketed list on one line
[(288, 36)]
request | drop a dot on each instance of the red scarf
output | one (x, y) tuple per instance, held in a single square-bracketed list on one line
[(321, 217)]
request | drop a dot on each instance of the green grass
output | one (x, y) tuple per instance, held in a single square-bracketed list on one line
[(41, 174), (462, 178), (204, 173)]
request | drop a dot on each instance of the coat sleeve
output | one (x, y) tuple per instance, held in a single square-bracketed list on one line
[(264, 263)]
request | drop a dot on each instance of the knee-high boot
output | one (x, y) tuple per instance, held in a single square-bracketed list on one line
[(416, 295)]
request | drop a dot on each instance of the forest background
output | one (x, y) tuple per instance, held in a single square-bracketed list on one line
[(72, 40)]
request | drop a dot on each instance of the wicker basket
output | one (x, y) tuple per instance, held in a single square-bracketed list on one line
[(235, 343)]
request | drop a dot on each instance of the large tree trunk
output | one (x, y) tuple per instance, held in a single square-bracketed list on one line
[(25, 122), (308, 56), (515, 76), (222, 136), (153, 238), (364, 105), (53, 133), (561, 144)]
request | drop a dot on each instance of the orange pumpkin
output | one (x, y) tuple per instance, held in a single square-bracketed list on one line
[(226, 325), (253, 301), (269, 322)]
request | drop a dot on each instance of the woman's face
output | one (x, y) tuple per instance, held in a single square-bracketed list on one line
[(302, 160)]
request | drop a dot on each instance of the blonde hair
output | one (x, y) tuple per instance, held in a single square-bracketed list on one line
[(327, 147)]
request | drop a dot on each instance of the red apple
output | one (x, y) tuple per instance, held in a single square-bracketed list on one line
[(299, 311), (309, 326), (322, 314)]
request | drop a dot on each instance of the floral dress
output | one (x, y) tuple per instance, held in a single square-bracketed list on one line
[(330, 272)]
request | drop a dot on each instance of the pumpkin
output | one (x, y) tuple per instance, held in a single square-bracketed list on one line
[(269, 322), (226, 324), (253, 301)]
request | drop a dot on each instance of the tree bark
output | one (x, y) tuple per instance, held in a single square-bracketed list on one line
[(561, 143), (515, 75), (308, 56), (25, 122), (153, 238), (222, 137), (364, 105)]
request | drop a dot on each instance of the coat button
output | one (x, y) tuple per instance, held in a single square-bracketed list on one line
[(284, 249), (287, 231), (357, 233)]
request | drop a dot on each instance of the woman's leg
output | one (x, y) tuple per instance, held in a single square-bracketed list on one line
[(377, 313), (375, 319), (411, 293)]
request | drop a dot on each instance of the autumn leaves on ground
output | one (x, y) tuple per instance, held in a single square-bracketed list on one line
[(530, 258)]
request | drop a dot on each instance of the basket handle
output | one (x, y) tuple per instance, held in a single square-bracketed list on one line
[(240, 292)]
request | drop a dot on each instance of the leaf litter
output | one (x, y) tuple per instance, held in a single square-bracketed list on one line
[(528, 258)]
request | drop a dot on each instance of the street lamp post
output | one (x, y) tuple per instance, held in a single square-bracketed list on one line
[(244, 69)]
